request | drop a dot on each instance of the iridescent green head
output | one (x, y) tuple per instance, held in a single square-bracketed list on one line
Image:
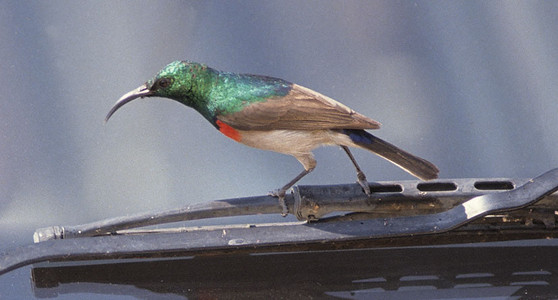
[(177, 81), (182, 81)]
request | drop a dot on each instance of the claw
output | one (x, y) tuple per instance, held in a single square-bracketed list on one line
[(361, 179), (281, 195)]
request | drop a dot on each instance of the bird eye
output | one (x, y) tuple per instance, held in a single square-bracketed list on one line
[(164, 82)]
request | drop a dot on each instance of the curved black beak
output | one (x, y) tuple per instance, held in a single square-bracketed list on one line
[(140, 92)]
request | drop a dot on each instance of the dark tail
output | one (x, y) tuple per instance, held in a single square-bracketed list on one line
[(415, 165)]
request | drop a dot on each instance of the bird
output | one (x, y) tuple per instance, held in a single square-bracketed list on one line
[(273, 114)]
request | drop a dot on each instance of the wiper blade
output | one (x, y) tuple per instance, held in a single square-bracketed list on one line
[(310, 203)]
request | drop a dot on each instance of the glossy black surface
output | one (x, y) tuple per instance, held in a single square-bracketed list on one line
[(510, 269)]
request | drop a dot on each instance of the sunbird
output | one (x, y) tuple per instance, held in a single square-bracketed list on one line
[(273, 114)]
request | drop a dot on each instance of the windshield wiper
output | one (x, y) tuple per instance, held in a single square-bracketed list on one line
[(395, 209)]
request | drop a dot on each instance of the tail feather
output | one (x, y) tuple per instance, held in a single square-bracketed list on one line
[(415, 165)]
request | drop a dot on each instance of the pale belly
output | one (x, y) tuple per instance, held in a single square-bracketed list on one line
[(293, 142)]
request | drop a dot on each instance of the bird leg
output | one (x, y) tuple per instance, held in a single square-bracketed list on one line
[(361, 178), (280, 193)]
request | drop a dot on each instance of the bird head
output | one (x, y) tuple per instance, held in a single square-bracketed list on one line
[(176, 81)]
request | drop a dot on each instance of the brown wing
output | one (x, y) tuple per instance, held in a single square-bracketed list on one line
[(300, 109)]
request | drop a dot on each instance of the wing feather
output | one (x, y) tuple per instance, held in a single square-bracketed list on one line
[(300, 109)]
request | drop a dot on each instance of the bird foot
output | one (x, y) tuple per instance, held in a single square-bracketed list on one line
[(361, 179), (281, 195)]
